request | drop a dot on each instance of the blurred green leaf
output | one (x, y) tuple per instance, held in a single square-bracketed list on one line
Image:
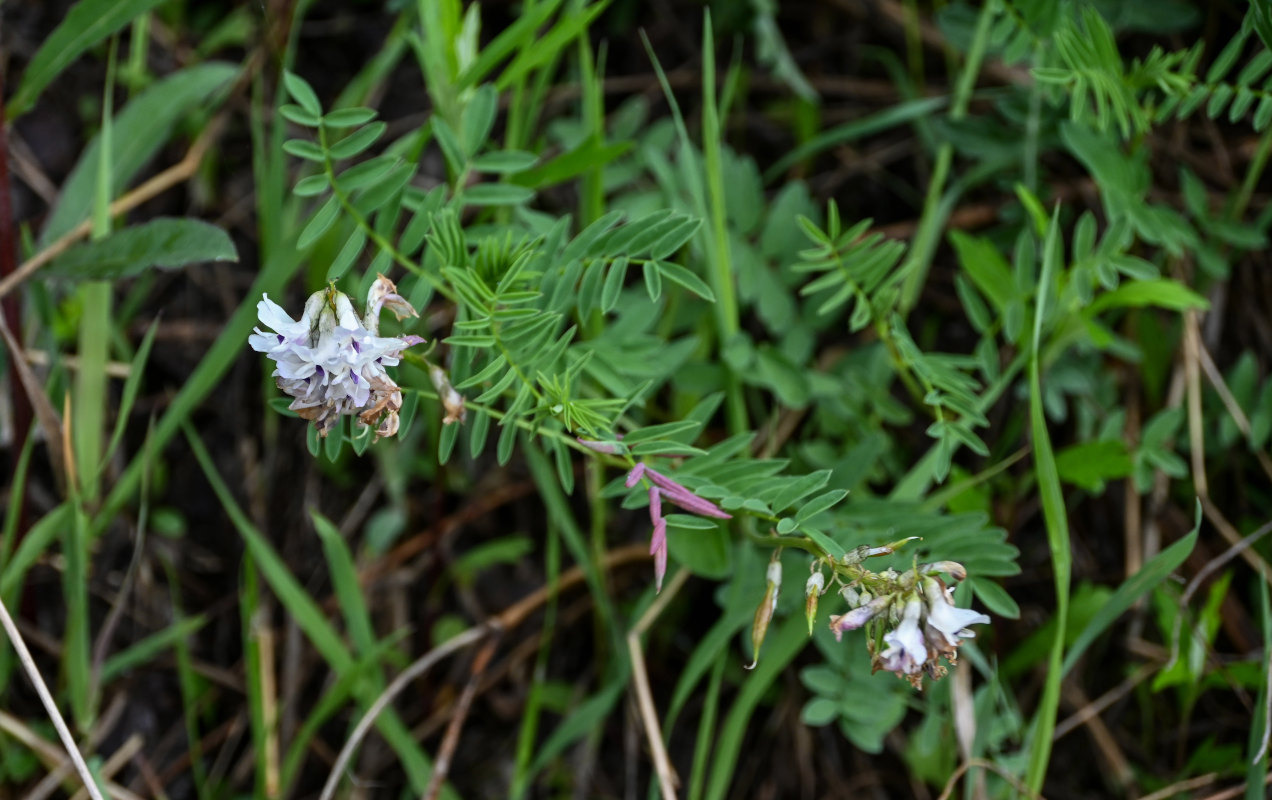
[(85, 24), (137, 132), (159, 243), (1090, 464)]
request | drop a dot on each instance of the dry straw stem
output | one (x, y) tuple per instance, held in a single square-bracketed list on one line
[(508, 619), (117, 761), (45, 414), (55, 716), (178, 173), (644, 697), (1192, 374), (1095, 707), (1197, 783), (992, 767), (441, 767)]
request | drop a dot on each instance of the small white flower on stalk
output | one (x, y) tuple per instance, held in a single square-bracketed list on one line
[(331, 362), (813, 588)]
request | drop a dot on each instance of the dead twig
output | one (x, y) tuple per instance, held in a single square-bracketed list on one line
[(644, 697), (50, 707), (992, 767), (1192, 374), (1095, 707), (1183, 786), (441, 765)]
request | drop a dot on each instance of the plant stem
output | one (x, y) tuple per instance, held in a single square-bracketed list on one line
[(933, 218)]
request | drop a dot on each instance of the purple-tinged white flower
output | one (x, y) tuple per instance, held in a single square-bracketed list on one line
[(949, 622), (907, 648), (914, 612), (859, 616), (331, 362)]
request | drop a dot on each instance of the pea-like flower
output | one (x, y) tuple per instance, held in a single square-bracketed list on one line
[(914, 613), (948, 625), (331, 362), (907, 647)]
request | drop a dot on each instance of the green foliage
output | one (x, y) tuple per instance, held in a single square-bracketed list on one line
[(159, 243), (86, 23), (606, 292)]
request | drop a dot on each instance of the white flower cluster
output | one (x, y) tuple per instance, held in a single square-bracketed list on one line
[(331, 362), (922, 623)]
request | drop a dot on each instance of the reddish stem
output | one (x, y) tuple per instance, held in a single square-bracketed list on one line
[(9, 306)]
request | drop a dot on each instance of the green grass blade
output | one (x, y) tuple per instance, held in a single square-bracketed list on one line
[(193, 693), (147, 649), (517, 36), (131, 386), (337, 695), (310, 619), (891, 117), (1257, 768), (87, 23), (1056, 519), (534, 702), (17, 498), (1149, 576), (934, 215), (780, 648), (38, 539), (344, 576), (549, 46), (76, 645), (250, 617), (560, 515), (137, 132), (291, 594)]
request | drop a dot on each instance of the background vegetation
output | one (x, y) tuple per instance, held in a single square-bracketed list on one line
[(991, 275)]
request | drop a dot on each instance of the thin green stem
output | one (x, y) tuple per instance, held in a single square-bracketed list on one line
[(932, 220), (721, 262), (379, 241), (1255, 171)]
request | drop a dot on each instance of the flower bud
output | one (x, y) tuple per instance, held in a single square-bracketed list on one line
[(608, 448), (812, 593), (952, 568), (858, 616), (890, 547), (764, 612), (851, 595)]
